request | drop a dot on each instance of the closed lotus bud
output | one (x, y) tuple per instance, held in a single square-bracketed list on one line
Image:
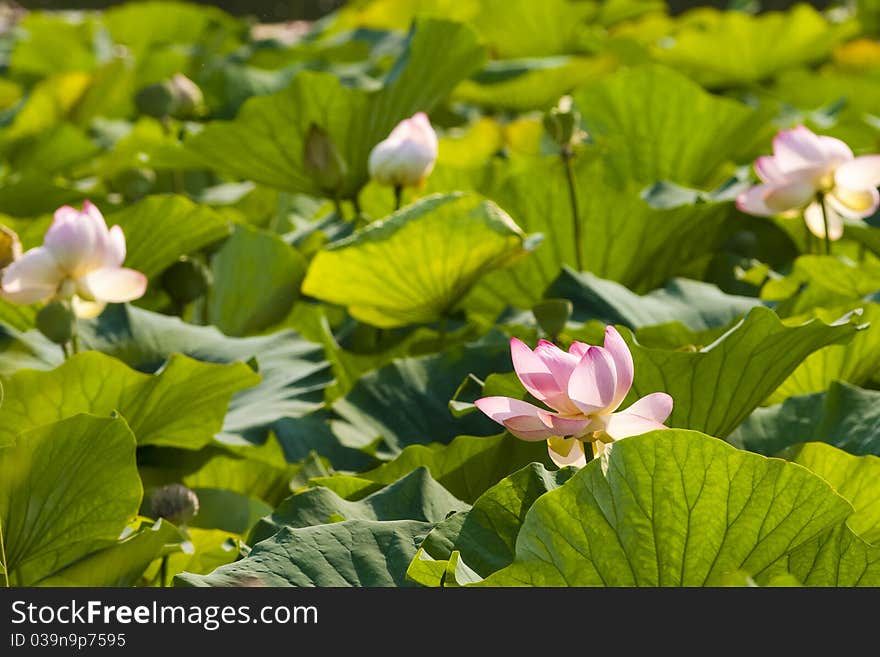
[(175, 502), (562, 123), (10, 247), (552, 315), (57, 322), (407, 156), (156, 100), (186, 280), (134, 184), (323, 161), (188, 98)]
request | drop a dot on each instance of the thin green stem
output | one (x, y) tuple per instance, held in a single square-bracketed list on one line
[(65, 350), (567, 159), (177, 181), (821, 200), (74, 343), (444, 331), (3, 554), (163, 572), (338, 207), (356, 203), (398, 197)]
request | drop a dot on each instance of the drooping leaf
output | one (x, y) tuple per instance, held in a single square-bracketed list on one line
[(118, 565), (66, 490), (352, 553), (415, 496)]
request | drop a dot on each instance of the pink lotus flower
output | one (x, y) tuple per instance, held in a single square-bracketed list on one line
[(584, 386), (80, 261), (803, 167), (407, 156)]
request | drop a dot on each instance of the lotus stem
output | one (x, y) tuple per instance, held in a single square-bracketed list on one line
[(3, 554), (398, 197), (821, 200), (568, 158)]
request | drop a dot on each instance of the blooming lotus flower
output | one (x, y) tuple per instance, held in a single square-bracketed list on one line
[(584, 386), (805, 168), (80, 261), (407, 156)]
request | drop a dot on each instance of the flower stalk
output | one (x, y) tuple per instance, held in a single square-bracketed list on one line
[(568, 161), (562, 123), (3, 555)]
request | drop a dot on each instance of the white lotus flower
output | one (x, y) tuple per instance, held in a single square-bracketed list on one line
[(80, 261), (805, 167)]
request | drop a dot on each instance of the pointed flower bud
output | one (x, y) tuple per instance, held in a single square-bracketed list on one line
[(562, 123), (323, 161)]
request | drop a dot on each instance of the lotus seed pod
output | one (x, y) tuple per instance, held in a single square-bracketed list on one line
[(323, 160), (134, 184), (189, 101), (552, 315), (186, 280), (175, 502), (57, 322), (156, 100)]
